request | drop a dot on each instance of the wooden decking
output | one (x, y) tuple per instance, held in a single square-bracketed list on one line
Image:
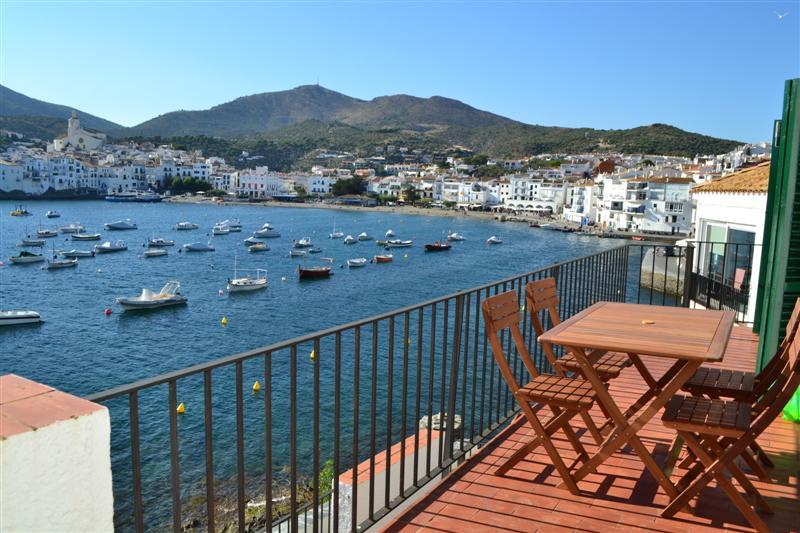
[(621, 496)]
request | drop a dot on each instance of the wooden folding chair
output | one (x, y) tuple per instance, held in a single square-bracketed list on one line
[(719, 431), (541, 295), (564, 396), (713, 382)]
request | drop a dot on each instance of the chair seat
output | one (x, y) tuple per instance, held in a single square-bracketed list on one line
[(609, 365), (716, 382), (564, 392), (707, 416)]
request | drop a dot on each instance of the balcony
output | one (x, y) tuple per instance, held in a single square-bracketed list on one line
[(621, 496)]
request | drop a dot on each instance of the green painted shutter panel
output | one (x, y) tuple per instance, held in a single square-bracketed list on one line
[(779, 285)]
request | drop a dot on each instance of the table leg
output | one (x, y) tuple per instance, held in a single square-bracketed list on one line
[(625, 430)]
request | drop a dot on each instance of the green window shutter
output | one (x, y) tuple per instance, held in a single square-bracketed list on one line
[(779, 285)]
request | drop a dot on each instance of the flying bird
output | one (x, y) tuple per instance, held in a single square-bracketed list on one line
[(780, 17)]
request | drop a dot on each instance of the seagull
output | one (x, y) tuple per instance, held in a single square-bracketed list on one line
[(780, 17)]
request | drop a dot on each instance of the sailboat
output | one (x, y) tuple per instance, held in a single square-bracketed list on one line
[(55, 262), (247, 283), (336, 234)]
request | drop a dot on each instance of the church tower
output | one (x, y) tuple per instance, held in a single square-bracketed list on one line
[(73, 124)]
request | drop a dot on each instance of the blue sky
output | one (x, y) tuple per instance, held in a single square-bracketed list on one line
[(712, 67)]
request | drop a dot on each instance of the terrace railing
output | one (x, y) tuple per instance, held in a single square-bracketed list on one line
[(331, 439)]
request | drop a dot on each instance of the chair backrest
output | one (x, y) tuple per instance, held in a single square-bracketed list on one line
[(783, 368), (771, 370), (542, 295), (502, 312)]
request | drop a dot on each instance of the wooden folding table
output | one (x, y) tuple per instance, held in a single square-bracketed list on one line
[(689, 336)]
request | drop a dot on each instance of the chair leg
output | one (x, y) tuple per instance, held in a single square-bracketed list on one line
[(762, 455), (747, 485), (592, 427), (722, 480)]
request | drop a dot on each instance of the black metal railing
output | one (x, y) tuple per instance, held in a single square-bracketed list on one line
[(342, 396), (316, 440), (714, 275)]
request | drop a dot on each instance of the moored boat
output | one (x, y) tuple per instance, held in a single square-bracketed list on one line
[(72, 227), (121, 225), (78, 253), (198, 247), (134, 196), (364, 236), (233, 223), (220, 230), (85, 236), (455, 236), (21, 211), (386, 258), (438, 247), (315, 250), (357, 262), (52, 214), (266, 232), (61, 263), (303, 243), (185, 226), (27, 241), (258, 247), (46, 233), (252, 241), (169, 295), (389, 234), (350, 240), (159, 242), (154, 252), (314, 272), (26, 257), (109, 247), (15, 318), (294, 252), (248, 283), (398, 243), (494, 240)]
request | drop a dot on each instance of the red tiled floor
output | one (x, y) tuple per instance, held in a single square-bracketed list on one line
[(620, 496)]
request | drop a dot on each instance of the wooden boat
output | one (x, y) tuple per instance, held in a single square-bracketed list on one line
[(61, 263), (85, 236), (438, 247), (383, 258), (315, 272), (247, 283)]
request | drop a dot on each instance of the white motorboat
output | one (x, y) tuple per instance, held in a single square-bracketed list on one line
[(358, 262), (364, 236), (53, 214), (185, 226), (46, 233), (494, 240), (78, 253), (108, 247), (350, 240), (159, 242), (303, 243), (398, 243), (455, 236), (27, 241), (170, 294), (389, 233), (220, 230), (198, 247), (251, 241), (15, 318), (232, 223), (266, 232), (73, 227), (258, 247), (247, 283), (85, 236), (26, 257), (155, 252), (61, 263), (294, 252), (121, 225)]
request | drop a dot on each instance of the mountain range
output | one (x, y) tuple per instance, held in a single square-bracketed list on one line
[(311, 116)]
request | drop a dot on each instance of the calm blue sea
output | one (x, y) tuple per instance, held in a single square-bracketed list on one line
[(80, 350)]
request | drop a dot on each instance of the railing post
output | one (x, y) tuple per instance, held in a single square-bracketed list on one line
[(688, 275), (452, 389)]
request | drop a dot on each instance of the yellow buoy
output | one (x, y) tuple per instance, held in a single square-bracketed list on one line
[(224, 321), (181, 408), (312, 354), (256, 386)]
